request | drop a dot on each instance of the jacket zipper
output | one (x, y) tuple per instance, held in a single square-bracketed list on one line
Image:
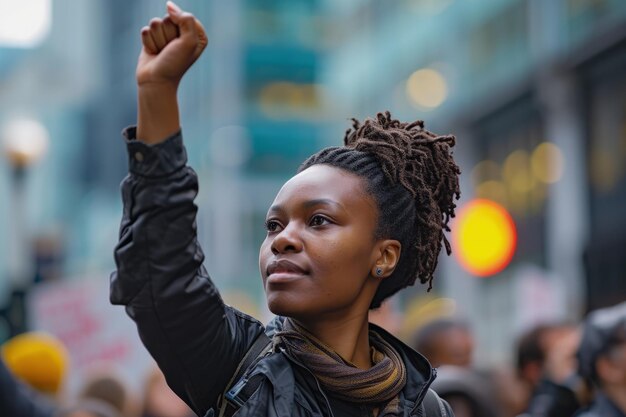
[(423, 392), (316, 381)]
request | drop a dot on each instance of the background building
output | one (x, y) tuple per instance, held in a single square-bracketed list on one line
[(534, 91)]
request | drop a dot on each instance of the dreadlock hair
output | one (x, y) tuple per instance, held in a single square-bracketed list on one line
[(413, 178)]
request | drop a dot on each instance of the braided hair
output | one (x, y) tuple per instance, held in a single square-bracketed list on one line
[(413, 178)]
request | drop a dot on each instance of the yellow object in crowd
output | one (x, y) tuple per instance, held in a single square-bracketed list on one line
[(39, 359)]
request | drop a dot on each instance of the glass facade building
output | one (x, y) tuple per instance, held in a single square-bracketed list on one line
[(533, 90)]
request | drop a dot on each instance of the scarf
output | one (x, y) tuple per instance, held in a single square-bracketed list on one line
[(374, 386)]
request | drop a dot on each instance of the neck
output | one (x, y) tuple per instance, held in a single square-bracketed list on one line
[(348, 337), (616, 394)]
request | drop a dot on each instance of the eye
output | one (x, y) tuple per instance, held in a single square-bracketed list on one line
[(319, 220), (272, 226)]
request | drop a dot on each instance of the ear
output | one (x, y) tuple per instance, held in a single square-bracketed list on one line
[(388, 256)]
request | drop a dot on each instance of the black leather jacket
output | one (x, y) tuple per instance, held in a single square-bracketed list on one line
[(197, 340)]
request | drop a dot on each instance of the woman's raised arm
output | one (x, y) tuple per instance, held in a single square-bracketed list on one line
[(196, 339)]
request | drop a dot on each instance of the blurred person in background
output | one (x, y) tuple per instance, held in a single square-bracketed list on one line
[(33, 371), (602, 361), (106, 387), (445, 341), (335, 235), (469, 393), (509, 391), (546, 363), (90, 408), (159, 400), (448, 344), (32, 374), (103, 394), (38, 359), (18, 399)]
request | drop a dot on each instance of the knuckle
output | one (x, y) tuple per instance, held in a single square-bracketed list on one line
[(155, 22), (187, 17)]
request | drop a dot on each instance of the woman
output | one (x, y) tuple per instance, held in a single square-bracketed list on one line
[(355, 225)]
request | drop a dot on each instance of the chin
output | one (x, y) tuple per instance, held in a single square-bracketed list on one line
[(285, 305)]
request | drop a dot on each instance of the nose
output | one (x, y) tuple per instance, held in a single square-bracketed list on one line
[(288, 240)]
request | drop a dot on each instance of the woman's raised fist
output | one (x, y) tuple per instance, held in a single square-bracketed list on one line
[(170, 46)]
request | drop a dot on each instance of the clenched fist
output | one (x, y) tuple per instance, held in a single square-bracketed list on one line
[(170, 46)]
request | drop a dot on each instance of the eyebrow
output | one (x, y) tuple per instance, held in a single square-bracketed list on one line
[(310, 203)]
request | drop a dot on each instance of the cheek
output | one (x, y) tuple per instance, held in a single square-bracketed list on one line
[(264, 252), (341, 257)]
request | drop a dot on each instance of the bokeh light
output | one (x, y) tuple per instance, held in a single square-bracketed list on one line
[(492, 190), (25, 141), (547, 163), (484, 237), (284, 100), (427, 88), (516, 172), (25, 23), (485, 170)]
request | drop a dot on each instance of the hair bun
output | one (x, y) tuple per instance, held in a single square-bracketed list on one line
[(405, 150), (419, 160)]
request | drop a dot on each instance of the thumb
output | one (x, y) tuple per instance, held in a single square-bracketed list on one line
[(185, 21)]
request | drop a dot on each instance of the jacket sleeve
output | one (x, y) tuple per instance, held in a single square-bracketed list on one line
[(195, 338)]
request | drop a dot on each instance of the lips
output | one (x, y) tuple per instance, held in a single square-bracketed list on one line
[(284, 267)]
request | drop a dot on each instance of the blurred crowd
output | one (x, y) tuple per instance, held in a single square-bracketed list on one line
[(560, 369), (34, 370)]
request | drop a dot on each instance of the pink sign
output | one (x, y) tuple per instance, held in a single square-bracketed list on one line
[(95, 332)]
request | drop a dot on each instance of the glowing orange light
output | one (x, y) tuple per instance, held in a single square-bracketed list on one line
[(484, 237)]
